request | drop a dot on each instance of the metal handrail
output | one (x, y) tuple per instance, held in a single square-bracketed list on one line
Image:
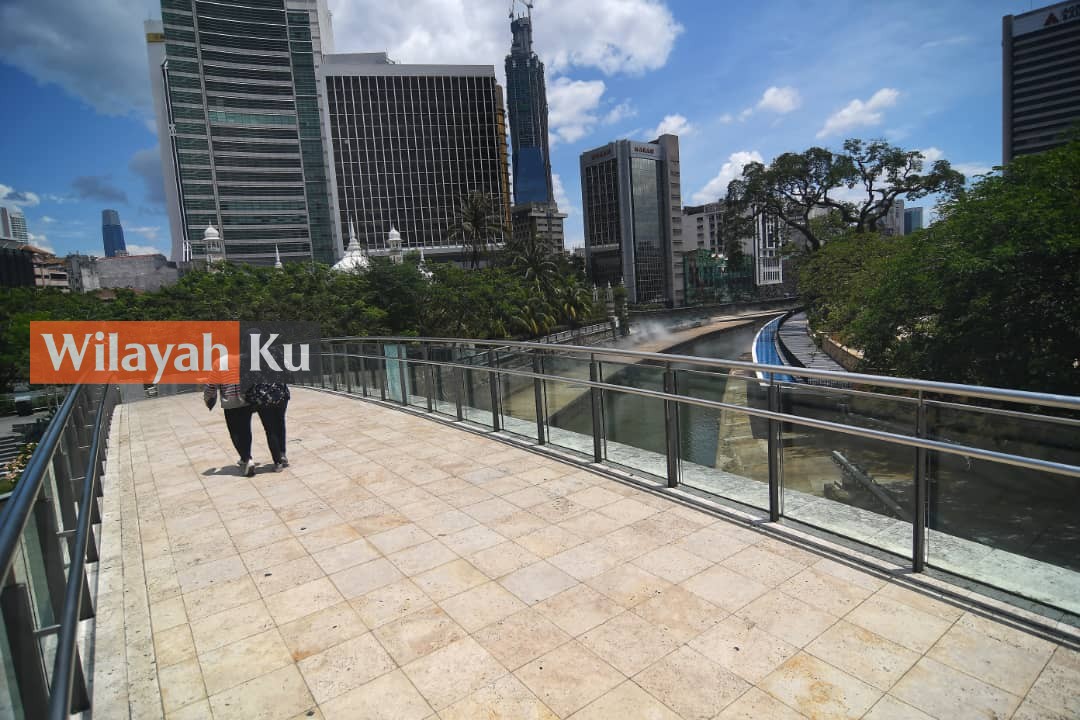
[(1068, 402)]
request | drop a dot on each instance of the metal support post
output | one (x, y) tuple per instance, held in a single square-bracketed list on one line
[(918, 527), (459, 377), (429, 384), (774, 449), (671, 428), (597, 411), (363, 371), (493, 384), (348, 368), (538, 396), (403, 353), (333, 368)]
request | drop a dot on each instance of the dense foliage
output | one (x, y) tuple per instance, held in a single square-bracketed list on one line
[(987, 295), (512, 298)]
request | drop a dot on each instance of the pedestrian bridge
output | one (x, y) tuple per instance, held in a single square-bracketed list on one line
[(424, 556)]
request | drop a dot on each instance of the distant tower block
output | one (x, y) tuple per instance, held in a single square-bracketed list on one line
[(527, 102), (112, 234)]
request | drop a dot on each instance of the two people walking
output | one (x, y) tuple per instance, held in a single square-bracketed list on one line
[(270, 401)]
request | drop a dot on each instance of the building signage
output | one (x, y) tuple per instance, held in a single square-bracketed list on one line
[(1046, 18), (600, 154), (644, 149)]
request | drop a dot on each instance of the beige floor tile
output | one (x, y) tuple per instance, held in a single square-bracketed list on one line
[(594, 497), (199, 710), (528, 497), (453, 672), (502, 559), (628, 543), (390, 602), (591, 524), (976, 652), (521, 637), (724, 588), (231, 625), (314, 633), (276, 695), (537, 582), (756, 705), (519, 523), (942, 692), (481, 606), (261, 536), (423, 557), (628, 585), (1056, 687), (296, 602), (313, 523), (273, 554), (711, 544), (889, 708), (691, 684), (568, 678), (362, 579), (211, 574), (742, 647), (925, 602), (399, 538), (629, 643), (450, 579), (761, 565), (345, 555), (818, 690), (277, 578), (586, 560), (825, 591), (345, 666), (173, 645), (329, 537), (680, 613), (548, 541), (504, 698), (787, 618), (864, 654), (672, 563), (579, 609), (418, 634), (849, 574), (243, 660), (445, 523), (628, 509), (388, 697), (625, 701), (898, 622), (472, 539), (168, 614), (181, 684)]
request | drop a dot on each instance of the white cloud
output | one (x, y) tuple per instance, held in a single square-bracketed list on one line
[(931, 154), (672, 125), (727, 118), (613, 36), (860, 114), (970, 170), (717, 187), (150, 232), (561, 198), (18, 198), (47, 220), (40, 241), (780, 100), (622, 111), (144, 250), (745, 114), (572, 106)]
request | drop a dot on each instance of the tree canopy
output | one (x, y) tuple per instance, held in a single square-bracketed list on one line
[(859, 184), (986, 295)]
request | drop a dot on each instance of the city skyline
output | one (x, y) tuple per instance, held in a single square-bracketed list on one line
[(734, 86)]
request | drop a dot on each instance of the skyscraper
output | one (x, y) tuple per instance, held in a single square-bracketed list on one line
[(13, 225), (1040, 85), (238, 117), (407, 143), (913, 220), (632, 205), (527, 101), (112, 234)]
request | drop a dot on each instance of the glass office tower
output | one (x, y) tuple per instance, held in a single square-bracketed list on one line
[(527, 102), (112, 234), (242, 147)]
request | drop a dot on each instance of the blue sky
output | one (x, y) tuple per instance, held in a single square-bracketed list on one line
[(736, 80)]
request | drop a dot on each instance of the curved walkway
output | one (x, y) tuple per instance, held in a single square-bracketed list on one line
[(403, 568)]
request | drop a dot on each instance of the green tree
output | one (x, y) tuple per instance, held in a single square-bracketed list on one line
[(477, 225), (796, 186)]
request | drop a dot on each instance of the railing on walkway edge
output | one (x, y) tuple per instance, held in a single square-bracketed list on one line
[(46, 541), (441, 371)]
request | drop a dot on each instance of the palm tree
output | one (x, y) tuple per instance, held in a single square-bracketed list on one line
[(477, 224), (574, 300), (534, 317), (531, 257)]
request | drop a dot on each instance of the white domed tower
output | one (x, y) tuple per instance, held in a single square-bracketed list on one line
[(355, 259), (215, 250), (393, 242)]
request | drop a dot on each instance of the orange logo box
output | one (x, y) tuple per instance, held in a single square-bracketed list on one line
[(180, 352)]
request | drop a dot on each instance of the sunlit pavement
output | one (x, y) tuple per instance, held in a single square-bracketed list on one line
[(402, 568)]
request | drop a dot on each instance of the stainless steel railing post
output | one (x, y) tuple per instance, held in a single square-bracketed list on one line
[(774, 450), (597, 411), (671, 428), (538, 396), (918, 527), (493, 383)]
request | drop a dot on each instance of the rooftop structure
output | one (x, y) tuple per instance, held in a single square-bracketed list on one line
[(542, 220)]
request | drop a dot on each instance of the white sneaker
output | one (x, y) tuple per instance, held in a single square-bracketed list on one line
[(250, 469)]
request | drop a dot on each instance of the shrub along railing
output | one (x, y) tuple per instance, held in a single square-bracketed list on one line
[(978, 482), (46, 540)]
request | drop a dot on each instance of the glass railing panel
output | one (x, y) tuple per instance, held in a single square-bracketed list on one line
[(634, 425), (723, 452), (394, 374), (568, 415), (10, 702), (418, 379), (518, 404), (476, 400), (1013, 528), (446, 384), (853, 486)]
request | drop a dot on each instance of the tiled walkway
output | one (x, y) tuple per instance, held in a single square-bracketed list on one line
[(402, 569)]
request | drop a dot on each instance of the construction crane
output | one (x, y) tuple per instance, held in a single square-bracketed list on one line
[(527, 3)]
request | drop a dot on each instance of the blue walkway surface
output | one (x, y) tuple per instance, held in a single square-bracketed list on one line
[(765, 351)]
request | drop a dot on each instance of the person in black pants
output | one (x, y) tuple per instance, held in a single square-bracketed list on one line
[(271, 400), (237, 418)]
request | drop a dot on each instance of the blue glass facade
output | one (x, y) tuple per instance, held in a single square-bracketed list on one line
[(527, 100), (112, 234)]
